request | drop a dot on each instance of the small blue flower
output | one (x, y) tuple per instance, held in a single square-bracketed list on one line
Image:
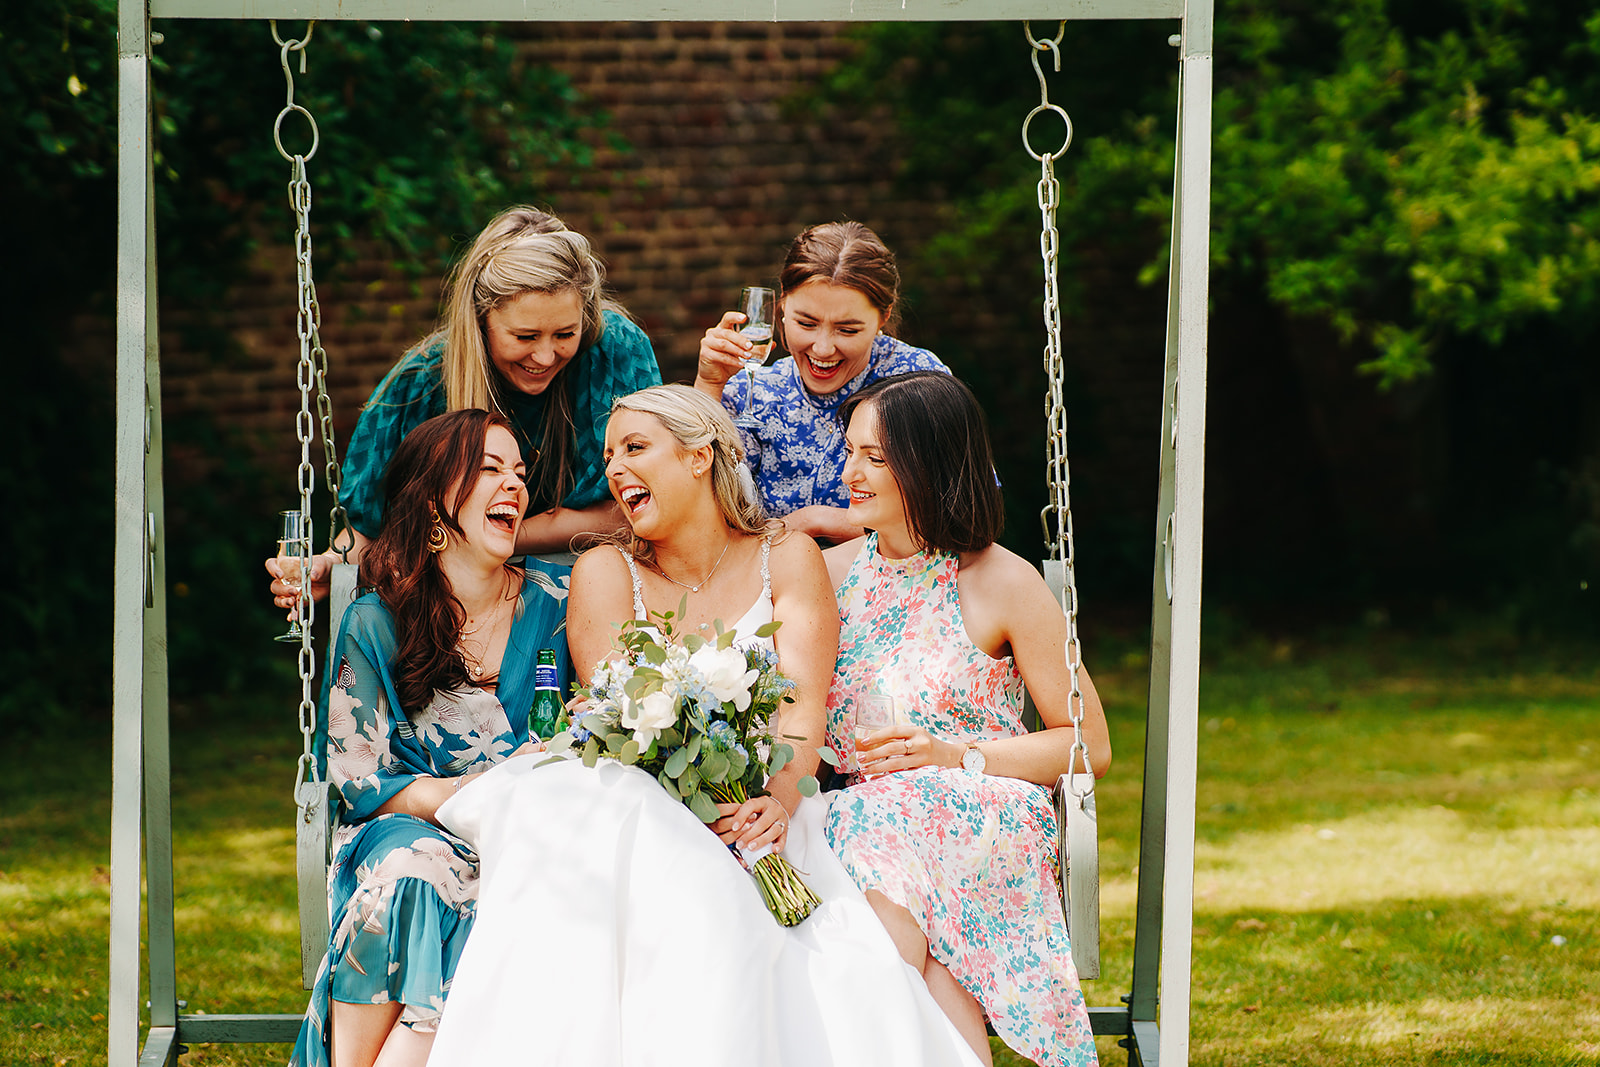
[(721, 737)]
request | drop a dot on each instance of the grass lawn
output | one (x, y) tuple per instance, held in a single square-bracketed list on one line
[(1398, 860)]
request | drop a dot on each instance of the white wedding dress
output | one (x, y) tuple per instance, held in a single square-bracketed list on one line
[(615, 930)]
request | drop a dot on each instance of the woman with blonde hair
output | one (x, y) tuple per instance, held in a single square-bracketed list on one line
[(527, 331), (606, 903)]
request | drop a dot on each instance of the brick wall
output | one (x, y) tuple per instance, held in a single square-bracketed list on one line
[(723, 168), (726, 162)]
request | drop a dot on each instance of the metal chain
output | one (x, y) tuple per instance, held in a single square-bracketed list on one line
[(310, 372), (1056, 517)]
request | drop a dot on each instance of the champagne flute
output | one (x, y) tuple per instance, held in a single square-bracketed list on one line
[(874, 711), (293, 548), (756, 303)]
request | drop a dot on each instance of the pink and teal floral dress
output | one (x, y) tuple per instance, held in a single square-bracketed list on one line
[(971, 856)]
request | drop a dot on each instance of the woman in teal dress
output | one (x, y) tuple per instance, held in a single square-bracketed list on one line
[(429, 684), (527, 331)]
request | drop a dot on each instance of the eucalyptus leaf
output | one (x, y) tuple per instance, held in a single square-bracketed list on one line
[(614, 743), (693, 747), (726, 640), (714, 767), (704, 807), (781, 755), (807, 786), (829, 756), (689, 780), (655, 654), (768, 629), (677, 762), (591, 752), (630, 752)]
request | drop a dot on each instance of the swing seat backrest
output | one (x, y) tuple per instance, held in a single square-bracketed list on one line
[(318, 812), (1077, 835)]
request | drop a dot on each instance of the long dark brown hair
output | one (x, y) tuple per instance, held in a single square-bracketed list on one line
[(435, 467), (936, 441)]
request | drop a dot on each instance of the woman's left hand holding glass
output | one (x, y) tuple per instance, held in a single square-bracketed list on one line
[(902, 747)]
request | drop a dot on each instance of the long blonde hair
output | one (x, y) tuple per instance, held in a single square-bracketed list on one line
[(522, 250), (695, 420)]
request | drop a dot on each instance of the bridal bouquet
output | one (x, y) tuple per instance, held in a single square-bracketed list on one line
[(697, 713)]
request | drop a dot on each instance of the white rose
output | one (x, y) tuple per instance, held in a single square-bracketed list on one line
[(726, 673), (649, 716)]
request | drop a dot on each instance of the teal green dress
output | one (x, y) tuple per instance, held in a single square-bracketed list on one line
[(402, 893), (621, 362)]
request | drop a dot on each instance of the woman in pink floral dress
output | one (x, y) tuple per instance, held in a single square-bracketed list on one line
[(947, 824)]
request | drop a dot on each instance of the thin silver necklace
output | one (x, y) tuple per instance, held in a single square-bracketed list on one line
[(703, 581)]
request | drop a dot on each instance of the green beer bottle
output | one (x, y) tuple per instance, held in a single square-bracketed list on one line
[(545, 715)]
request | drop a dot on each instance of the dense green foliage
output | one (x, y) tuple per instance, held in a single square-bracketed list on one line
[(1404, 401), (1409, 173), (425, 128)]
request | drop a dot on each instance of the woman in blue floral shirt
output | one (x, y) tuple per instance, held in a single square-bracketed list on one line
[(836, 297)]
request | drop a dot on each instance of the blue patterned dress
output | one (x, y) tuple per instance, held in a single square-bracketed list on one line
[(402, 893), (972, 857), (797, 451), (621, 362)]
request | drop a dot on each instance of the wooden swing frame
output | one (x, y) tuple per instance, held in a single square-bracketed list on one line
[(141, 813)]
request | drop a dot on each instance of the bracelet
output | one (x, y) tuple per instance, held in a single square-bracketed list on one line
[(460, 781)]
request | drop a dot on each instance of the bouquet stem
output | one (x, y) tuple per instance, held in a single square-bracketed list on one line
[(785, 893)]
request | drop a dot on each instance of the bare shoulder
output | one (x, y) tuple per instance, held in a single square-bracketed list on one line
[(839, 557), (600, 569), (795, 556), (997, 576)]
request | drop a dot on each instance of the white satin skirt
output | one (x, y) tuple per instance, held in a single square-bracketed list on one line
[(615, 930)]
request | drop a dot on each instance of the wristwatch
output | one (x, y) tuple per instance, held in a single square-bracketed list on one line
[(973, 761)]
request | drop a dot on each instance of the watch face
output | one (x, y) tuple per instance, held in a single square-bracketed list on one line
[(973, 761)]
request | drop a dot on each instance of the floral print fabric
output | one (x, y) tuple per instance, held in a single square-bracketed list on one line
[(797, 451), (402, 893), (971, 856)]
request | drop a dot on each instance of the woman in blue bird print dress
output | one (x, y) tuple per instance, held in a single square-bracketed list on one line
[(430, 683), (946, 822), (837, 295)]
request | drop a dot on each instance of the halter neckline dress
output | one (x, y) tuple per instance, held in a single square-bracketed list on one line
[(971, 856)]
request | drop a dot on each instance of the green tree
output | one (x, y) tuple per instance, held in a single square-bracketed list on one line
[(426, 128), (1407, 172)]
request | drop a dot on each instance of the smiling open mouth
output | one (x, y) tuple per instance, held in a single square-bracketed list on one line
[(634, 497), (823, 367), (504, 516)]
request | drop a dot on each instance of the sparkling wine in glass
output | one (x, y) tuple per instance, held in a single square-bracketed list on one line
[(293, 549), (755, 303), (874, 711)]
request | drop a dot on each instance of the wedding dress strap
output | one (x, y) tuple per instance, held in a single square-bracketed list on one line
[(638, 588), (766, 572)]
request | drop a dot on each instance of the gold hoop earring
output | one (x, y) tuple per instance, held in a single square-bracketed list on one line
[(438, 538)]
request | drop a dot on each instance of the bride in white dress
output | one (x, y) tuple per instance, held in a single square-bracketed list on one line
[(613, 927)]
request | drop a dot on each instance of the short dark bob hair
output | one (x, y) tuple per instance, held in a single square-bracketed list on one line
[(936, 441)]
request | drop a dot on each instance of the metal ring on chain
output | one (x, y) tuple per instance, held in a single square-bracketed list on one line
[(1027, 121), (277, 137)]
